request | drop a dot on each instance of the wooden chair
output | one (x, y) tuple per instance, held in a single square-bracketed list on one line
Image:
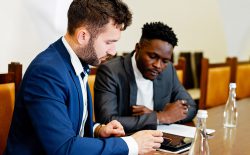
[(189, 79), (91, 82), (214, 84), (16, 68), (93, 70), (9, 84), (197, 67), (242, 81), (181, 69), (241, 72)]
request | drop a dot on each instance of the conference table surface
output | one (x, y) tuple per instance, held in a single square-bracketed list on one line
[(227, 141)]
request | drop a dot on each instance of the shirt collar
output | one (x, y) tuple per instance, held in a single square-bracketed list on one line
[(78, 66)]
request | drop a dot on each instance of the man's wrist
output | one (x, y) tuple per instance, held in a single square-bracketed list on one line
[(158, 117), (132, 145), (162, 118), (158, 122), (97, 130)]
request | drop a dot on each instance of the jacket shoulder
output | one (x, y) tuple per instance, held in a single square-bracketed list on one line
[(115, 64)]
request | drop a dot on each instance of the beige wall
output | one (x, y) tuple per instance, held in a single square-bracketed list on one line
[(198, 25), (217, 27)]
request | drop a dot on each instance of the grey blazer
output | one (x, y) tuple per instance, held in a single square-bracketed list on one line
[(116, 91)]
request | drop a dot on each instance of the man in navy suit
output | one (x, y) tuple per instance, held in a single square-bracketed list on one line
[(53, 113)]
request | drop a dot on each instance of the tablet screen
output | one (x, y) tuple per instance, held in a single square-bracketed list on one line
[(174, 142)]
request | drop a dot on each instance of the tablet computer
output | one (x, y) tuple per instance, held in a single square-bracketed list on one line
[(175, 143)]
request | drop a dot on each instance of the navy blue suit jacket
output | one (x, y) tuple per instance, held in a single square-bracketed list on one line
[(49, 109)]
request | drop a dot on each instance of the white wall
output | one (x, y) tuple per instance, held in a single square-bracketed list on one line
[(236, 21), (198, 24), (217, 27)]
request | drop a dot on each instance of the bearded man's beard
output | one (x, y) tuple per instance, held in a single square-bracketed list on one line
[(88, 54)]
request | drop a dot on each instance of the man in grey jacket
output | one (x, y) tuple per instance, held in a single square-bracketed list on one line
[(141, 89)]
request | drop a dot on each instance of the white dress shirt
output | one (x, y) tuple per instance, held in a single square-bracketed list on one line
[(145, 88)]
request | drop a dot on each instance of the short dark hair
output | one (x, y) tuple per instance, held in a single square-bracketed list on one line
[(158, 30), (94, 14)]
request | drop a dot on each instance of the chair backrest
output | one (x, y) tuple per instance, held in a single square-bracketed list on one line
[(9, 84), (91, 82), (214, 84), (197, 57), (189, 79), (242, 81), (181, 69), (16, 68), (241, 72)]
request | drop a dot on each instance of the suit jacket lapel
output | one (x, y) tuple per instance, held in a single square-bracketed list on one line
[(80, 97), (66, 57), (130, 74), (157, 88)]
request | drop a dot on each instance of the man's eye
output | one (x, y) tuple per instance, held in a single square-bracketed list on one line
[(165, 61), (152, 56)]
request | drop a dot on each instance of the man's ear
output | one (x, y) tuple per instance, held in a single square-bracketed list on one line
[(137, 47), (83, 36)]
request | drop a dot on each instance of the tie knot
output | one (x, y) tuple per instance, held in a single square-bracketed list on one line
[(86, 71)]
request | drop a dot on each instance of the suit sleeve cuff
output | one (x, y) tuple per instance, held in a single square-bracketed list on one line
[(94, 127), (132, 145)]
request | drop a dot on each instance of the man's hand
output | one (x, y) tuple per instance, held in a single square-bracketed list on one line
[(148, 140), (173, 112), (113, 128), (140, 110)]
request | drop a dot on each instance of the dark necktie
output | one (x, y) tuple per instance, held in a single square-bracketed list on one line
[(88, 126)]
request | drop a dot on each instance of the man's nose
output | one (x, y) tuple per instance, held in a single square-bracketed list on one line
[(112, 51), (157, 64)]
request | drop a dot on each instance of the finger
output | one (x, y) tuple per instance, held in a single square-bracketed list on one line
[(151, 150), (184, 102), (137, 106), (156, 133), (178, 101), (158, 139), (117, 132), (137, 110), (178, 104), (157, 145), (184, 105), (116, 124), (186, 110)]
